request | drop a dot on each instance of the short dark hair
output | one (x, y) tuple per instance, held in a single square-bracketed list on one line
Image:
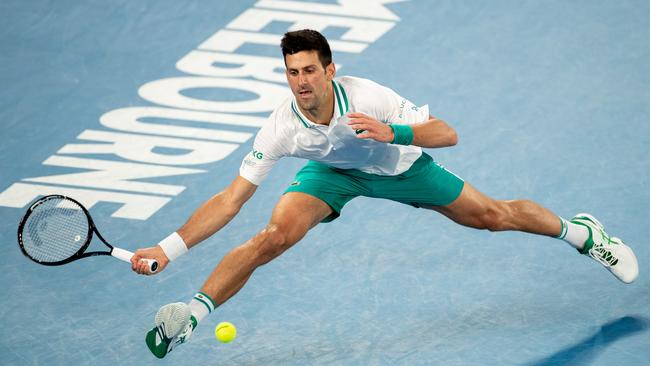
[(306, 40)]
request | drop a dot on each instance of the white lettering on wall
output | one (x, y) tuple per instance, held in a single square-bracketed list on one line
[(179, 130), (168, 92), (134, 206)]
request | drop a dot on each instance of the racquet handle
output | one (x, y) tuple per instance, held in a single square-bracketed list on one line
[(126, 256)]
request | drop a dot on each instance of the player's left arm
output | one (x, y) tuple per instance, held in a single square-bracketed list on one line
[(433, 132)]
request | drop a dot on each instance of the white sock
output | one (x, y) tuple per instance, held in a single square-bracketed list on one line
[(201, 305), (574, 234)]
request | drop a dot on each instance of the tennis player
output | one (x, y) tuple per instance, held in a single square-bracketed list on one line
[(360, 139)]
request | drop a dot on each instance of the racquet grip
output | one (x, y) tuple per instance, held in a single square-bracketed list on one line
[(126, 256)]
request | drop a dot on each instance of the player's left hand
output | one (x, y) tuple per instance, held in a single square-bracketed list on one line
[(370, 127)]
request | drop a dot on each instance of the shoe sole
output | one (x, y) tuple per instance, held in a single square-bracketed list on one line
[(150, 340)]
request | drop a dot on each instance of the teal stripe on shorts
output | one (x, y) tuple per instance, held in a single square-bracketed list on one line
[(426, 183)]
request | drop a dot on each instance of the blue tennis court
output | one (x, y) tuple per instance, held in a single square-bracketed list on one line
[(143, 110)]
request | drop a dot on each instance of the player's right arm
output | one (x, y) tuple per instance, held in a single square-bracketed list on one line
[(216, 212), (269, 146), (209, 218)]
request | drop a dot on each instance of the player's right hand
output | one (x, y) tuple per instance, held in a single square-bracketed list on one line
[(138, 265)]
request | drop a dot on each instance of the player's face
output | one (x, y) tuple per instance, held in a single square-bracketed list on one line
[(308, 80)]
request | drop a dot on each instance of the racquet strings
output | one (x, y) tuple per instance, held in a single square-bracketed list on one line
[(55, 230)]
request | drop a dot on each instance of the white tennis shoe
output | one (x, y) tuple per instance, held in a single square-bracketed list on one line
[(174, 326), (611, 252)]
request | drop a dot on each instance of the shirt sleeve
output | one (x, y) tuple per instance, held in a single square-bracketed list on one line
[(267, 150), (390, 107)]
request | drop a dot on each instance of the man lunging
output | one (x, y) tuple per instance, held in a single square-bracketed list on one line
[(360, 139)]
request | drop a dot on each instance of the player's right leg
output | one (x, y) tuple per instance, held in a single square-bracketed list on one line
[(294, 215), (292, 218)]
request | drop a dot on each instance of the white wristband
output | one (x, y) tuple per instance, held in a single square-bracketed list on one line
[(173, 246)]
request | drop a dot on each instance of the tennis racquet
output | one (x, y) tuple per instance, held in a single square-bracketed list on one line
[(57, 230)]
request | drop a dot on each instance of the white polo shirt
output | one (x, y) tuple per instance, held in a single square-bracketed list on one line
[(289, 133)]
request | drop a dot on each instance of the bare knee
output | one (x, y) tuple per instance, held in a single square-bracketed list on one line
[(269, 243), (495, 217)]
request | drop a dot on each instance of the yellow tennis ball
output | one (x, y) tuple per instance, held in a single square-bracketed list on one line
[(225, 332)]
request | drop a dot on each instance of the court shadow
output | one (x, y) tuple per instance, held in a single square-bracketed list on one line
[(584, 352)]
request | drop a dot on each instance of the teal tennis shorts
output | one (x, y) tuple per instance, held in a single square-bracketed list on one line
[(426, 183)]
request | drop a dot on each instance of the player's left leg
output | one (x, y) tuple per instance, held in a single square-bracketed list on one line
[(474, 209)]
